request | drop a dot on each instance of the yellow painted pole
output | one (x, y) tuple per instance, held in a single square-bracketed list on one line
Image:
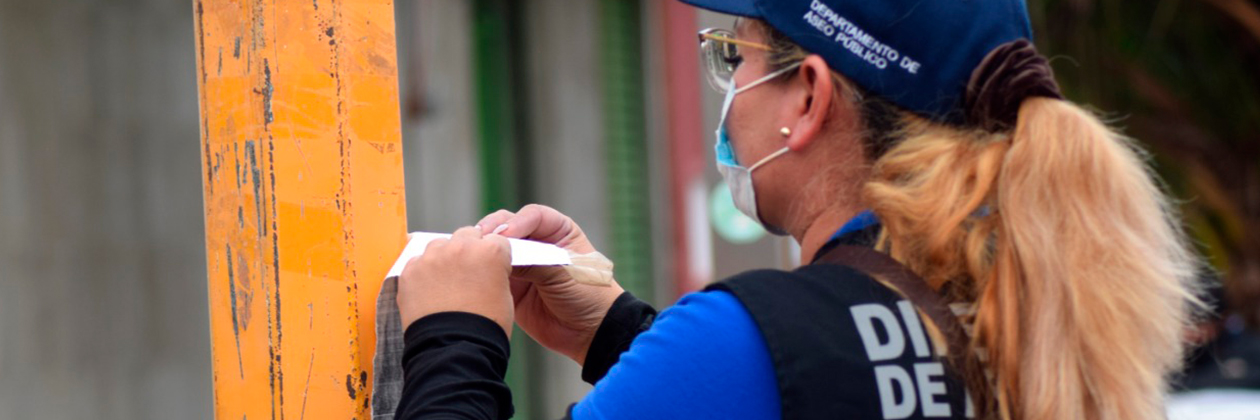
[(304, 201)]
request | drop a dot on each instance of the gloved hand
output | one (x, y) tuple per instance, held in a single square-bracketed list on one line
[(553, 308)]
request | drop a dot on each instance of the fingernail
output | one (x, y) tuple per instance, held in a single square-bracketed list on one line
[(500, 229), (478, 228)]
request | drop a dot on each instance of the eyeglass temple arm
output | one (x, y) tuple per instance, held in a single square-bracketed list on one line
[(735, 41)]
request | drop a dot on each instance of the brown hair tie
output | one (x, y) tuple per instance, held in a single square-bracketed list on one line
[(1010, 73)]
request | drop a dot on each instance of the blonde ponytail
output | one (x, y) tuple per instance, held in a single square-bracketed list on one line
[(1055, 232), (1079, 275)]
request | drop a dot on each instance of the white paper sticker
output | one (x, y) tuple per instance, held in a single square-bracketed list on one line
[(524, 252)]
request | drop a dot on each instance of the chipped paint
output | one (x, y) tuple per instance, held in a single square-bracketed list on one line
[(285, 227), (383, 147), (267, 90), (306, 390), (236, 324)]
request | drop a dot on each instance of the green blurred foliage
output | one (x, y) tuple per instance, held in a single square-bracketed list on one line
[(1182, 77)]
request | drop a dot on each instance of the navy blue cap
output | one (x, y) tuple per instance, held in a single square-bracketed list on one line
[(918, 54)]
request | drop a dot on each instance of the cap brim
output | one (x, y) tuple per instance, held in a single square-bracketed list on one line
[(745, 8)]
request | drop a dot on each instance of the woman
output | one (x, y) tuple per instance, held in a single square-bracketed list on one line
[(930, 131)]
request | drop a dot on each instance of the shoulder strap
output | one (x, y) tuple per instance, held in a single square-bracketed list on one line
[(905, 282)]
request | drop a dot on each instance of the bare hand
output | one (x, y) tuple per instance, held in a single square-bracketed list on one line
[(466, 273), (551, 307)]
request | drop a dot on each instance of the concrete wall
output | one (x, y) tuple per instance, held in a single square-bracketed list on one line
[(103, 310), (565, 93), (440, 139)]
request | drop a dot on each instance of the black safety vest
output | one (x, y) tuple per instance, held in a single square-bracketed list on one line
[(845, 346)]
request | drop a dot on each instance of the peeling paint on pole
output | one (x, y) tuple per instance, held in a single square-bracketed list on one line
[(304, 199)]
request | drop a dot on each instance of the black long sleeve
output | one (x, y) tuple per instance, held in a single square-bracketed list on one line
[(454, 362), (453, 367), (627, 317)]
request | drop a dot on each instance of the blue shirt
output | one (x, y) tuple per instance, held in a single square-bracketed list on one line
[(703, 358)]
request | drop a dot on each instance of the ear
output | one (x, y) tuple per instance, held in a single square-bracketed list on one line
[(813, 107)]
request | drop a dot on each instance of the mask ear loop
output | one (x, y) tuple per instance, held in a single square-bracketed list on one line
[(767, 77), (767, 159), (730, 98)]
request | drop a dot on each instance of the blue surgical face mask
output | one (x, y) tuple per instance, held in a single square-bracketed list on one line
[(738, 178)]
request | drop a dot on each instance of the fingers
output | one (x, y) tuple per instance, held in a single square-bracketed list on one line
[(540, 223), (434, 245), (494, 220), (501, 242), (471, 237), (466, 233), (462, 237)]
